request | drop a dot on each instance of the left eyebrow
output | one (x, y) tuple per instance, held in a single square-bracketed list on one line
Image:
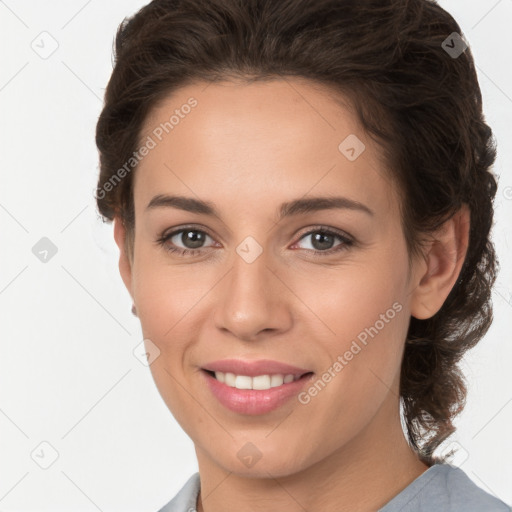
[(288, 209)]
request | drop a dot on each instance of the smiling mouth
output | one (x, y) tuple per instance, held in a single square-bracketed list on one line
[(259, 382)]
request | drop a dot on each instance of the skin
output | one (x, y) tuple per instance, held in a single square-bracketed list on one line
[(247, 149)]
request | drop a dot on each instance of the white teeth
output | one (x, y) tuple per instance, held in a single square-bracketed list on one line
[(229, 379), (276, 380), (260, 382), (288, 378), (243, 382)]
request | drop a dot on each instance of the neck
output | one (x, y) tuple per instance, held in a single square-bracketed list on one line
[(364, 475)]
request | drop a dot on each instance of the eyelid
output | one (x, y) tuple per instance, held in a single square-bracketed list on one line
[(329, 230), (347, 240), (307, 231), (167, 235)]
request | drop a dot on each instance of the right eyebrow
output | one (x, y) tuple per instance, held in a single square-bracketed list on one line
[(295, 207)]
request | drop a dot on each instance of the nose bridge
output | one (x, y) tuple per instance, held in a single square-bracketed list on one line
[(250, 301), (250, 277)]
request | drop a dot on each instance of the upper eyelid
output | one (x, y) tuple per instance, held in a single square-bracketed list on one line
[(174, 232), (308, 231)]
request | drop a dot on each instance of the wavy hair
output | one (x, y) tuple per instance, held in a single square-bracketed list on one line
[(420, 103)]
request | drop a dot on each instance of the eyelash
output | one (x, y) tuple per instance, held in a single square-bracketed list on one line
[(347, 242)]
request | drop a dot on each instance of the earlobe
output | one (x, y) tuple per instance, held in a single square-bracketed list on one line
[(442, 264), (125, 268)]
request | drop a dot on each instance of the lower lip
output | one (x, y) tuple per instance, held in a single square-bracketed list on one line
[(254, 401)]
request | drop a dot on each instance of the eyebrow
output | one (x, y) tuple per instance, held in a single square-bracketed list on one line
[(288, 209), (295, 207)]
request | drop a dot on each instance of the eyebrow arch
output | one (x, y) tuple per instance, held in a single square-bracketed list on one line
[(295, 207)]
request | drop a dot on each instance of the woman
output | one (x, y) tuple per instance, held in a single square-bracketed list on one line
[(302, 197)]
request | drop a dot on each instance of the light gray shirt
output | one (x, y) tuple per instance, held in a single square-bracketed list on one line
[(441, 488)]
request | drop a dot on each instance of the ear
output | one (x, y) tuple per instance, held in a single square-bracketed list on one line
[(125, 268), (441, 267)]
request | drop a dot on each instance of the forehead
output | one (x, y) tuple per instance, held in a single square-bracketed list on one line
[(286, 137)]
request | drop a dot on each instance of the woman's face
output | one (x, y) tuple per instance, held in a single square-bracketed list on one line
[(325, 290)]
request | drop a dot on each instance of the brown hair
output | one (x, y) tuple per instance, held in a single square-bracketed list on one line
[(422, 104)]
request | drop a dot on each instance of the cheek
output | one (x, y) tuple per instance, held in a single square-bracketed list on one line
[(164, 299), (173, 304), (352, 303), (364, 320), (168, 301)]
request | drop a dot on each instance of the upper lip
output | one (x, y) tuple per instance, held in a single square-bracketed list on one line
[(254, 368)]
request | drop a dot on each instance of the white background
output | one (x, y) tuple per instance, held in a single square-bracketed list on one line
[(68, 373)]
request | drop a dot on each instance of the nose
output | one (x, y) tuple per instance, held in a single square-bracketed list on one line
[(253, 300)]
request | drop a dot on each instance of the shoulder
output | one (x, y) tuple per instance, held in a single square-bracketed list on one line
[(444, 487), (441, 487), (186, 499)]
